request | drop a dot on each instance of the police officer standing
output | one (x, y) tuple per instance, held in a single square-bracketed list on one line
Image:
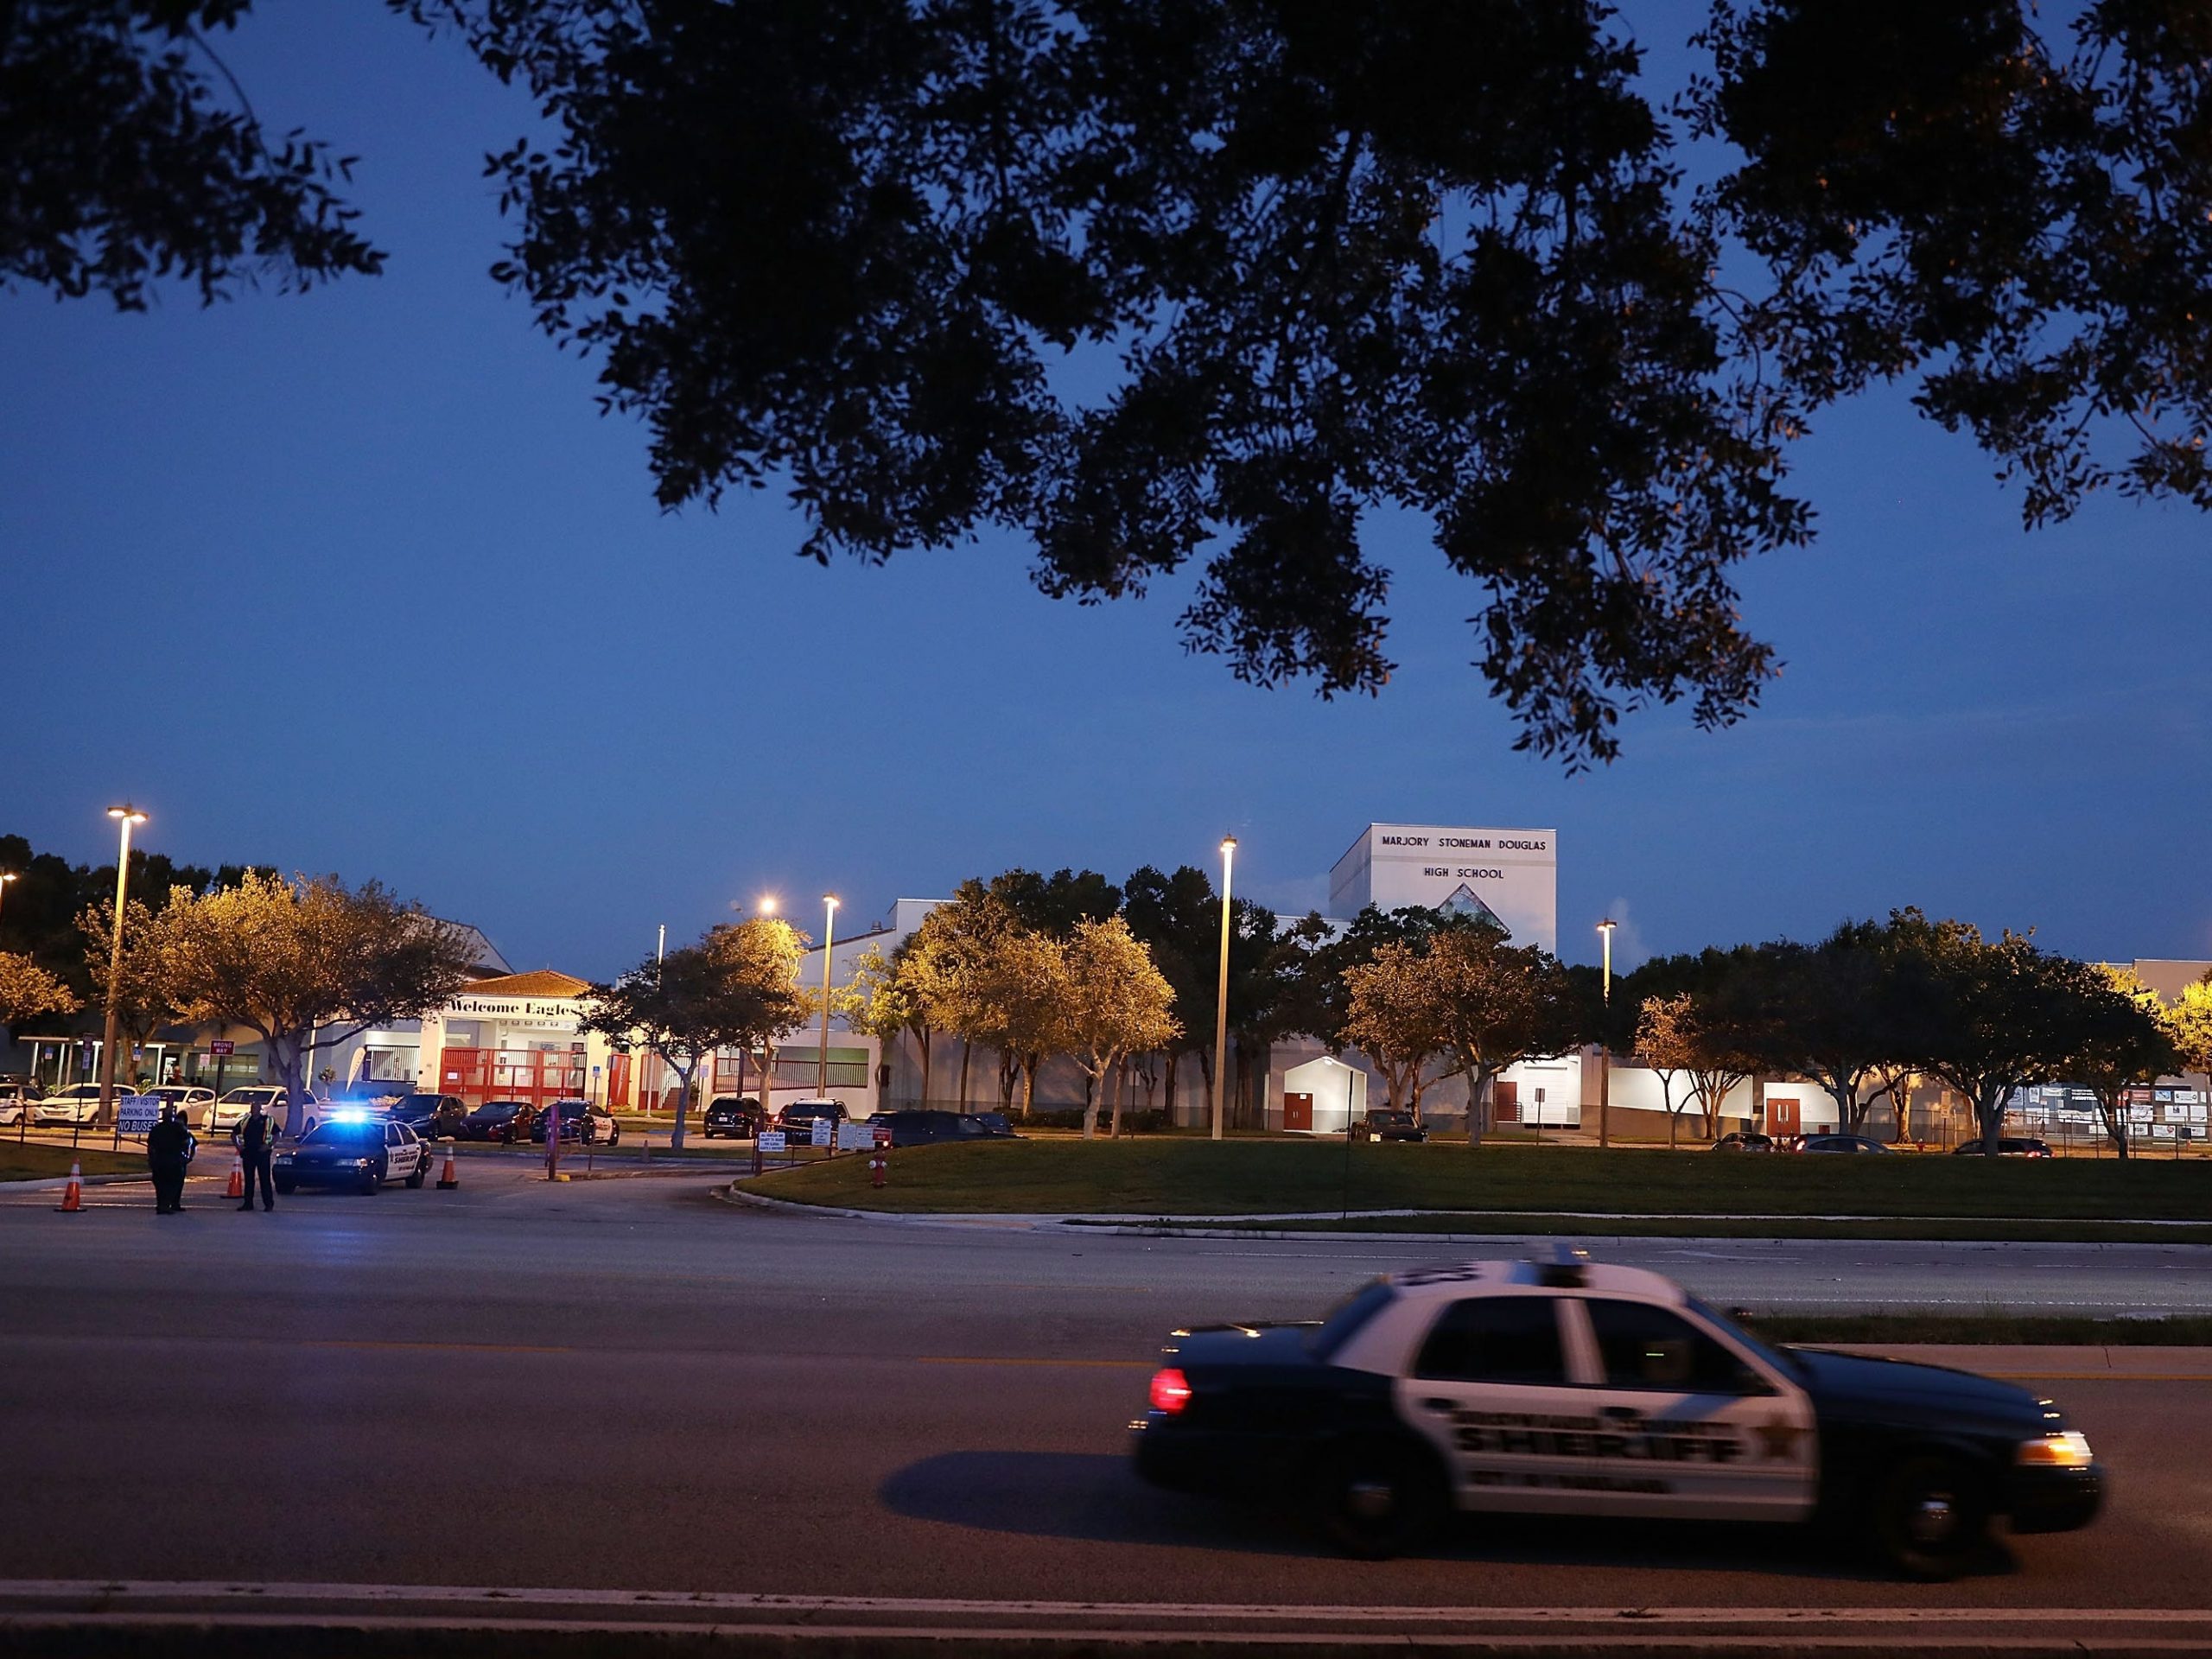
[(166, 1158), (255, 1137)]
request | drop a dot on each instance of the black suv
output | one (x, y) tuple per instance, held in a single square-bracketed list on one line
[(432, 1116), (736, 1115), (798, 1118), (1390, 1126)]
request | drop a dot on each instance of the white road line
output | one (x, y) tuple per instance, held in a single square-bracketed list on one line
[(112, 1591)]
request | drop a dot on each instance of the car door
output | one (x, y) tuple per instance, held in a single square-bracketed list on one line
[(1490, 1387), (1693, 1426)]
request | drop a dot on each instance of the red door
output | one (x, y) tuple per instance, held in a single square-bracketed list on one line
[(1505, 1098), (1782, 1114), (1298, 1112)]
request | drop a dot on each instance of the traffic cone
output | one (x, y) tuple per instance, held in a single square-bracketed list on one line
[(451, 1178), (72, 1196), (237, 1176)]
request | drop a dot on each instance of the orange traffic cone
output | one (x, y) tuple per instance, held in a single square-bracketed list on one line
[(72, 1196), (451, 1177), (237, 1176)]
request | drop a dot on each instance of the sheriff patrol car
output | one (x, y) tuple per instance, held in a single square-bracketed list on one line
[(1571, 1387)]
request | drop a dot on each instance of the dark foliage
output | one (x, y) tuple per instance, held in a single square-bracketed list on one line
[(129, 155)]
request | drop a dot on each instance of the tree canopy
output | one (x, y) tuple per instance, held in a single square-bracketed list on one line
[(1165, 286)]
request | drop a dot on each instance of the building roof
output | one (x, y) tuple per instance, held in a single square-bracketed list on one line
[(540, 982), (484, 956)]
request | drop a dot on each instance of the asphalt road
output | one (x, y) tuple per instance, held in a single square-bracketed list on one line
[(628, 1385)]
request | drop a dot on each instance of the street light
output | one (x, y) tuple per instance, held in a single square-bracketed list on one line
[(125, 815), (1220, 990), (1604, 1042), (829, 935), (767, 909), (6, 876)]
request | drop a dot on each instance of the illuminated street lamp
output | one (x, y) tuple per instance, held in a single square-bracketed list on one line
[(1220, 990), (125, 815), (767, 909), (6, 876), (829, 935), (1605, 1041)]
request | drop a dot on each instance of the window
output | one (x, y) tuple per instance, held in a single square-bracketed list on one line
[(1496, 1339), (1345, 1320), (1640, 1346)]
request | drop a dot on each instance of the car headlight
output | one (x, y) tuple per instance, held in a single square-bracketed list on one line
[(2070, 1450), (363, 1163)]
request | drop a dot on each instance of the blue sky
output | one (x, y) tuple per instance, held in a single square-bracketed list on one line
[(360, 581)]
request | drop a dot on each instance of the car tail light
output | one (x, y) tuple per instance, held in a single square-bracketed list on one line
[(1171, 1390)]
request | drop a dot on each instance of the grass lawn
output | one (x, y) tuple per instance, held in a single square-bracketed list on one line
[(1171, 1176), (27, 1161), (1993, 1230), (2179, 1331)]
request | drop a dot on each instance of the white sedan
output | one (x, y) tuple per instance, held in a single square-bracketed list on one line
[(195, 1102), (231, 1111)]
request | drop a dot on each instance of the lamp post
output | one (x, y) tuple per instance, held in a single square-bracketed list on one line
[(767, 909), (125, 815), (828, 937), (1220, 990), (6, 876), (1605, 1041)]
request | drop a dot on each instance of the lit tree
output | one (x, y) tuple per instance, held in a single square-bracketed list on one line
[(28, 991), (1114, 1003), (144, 1000), (1496, 1005), (1392, 1017), (1663, 1038), (307, 964), (2123, 1041), (737, 987)]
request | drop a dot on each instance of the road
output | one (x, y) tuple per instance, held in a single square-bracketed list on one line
[(629, 1385)]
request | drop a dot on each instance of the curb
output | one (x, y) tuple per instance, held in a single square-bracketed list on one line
[(56, 1183)]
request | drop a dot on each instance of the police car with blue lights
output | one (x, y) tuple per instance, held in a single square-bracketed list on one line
[(358, 1149), (1570, 1388)]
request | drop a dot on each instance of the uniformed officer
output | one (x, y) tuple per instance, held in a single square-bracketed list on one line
[(166, 1157), (255, 1137)]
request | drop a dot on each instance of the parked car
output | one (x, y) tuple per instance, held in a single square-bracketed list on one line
[(232, 1109), (922, 1127), (79, 1103), (360, 1152), (580, 1120), (1386, 1125), (1840, 1143), (503, 1120), (797, 1120), (1744, 1140), (992, 1126), (2010, 1146), (197, 1105), (736, 1115), (433, 1117), (17, 1097)]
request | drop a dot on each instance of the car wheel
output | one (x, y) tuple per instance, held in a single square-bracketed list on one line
[(1376, 1499), (416, 1179), (287, 1188), (369, 1185), (1929, 1518), (614, 1135)]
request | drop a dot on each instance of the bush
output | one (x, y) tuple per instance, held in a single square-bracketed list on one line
[(1152, 1122)]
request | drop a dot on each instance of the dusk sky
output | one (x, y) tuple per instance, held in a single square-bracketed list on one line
[(361, 581)]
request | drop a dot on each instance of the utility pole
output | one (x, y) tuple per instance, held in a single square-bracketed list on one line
[(1606, 1042), (1221, 991)]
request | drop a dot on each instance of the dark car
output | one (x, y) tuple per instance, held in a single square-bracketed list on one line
[(2010, 1146), (1744, 1140), (361, 1152), (503, 1120), (736, 1115), (1570, 1388), (919, 1127), (797, 1120), (1841, 1143), (435, 1117), (1390, 1126), (580, 1120), (989, 1126)]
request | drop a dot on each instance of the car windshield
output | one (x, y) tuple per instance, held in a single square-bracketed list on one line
[(1778, 1357), (349, 1133), (417, 1103), (1347, 1317), (496, 1108)]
